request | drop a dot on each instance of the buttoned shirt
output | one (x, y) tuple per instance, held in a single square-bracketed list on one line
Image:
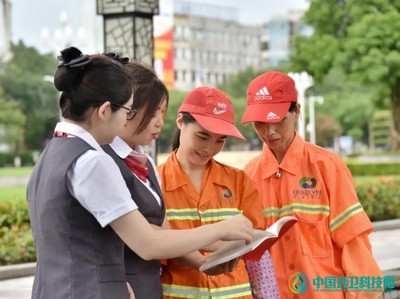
[(95, 180)]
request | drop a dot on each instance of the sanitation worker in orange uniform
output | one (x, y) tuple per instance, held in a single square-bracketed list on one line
[(198, 190), (327, 253)]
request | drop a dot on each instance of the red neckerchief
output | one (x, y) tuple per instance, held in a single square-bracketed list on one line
[(137, 163)]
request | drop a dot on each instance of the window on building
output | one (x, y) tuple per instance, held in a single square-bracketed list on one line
[(186, 54), (179, 53), (186, 33), (199, 35), (219, 57), (264, 45), (204, 56), (178, 31), (178, 76), (193, 76), (187, 76)]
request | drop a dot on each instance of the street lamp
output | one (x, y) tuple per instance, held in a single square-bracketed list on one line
[(311, 111), (128, 27), (303, 81)]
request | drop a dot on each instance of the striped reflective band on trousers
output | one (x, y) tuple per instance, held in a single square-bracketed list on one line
[(314, 209), (179, 291), (209, 215)]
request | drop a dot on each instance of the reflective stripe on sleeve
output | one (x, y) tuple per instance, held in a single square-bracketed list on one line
[(210, 215), (346, 215), (182, 214)]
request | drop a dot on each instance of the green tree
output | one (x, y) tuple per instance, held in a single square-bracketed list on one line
[(22, 79), (350, 105), (168, 131), (326, 131), (362, 38), (12, 121)]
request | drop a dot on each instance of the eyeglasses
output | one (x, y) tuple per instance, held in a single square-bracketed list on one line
[(129, 115)]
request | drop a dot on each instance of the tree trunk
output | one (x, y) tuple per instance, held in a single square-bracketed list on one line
[(395, 102)]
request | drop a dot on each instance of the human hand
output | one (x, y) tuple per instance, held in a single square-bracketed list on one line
[(130, 291), (223, 268), (213, 247), (237, 227)]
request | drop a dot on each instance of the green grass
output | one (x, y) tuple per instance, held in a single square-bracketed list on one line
[(15, 171), (12, 193)]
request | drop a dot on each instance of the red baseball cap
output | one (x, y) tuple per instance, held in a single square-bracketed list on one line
[(213, 110), (269, 97)]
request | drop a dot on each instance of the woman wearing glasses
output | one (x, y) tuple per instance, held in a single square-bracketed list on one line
[(139, 170), (80, 209)]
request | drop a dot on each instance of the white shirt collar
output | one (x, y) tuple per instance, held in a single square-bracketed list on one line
[(122, 149), (75, 130)]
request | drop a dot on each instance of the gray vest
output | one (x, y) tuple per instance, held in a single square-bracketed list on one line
[(76, 258), (144, 276)]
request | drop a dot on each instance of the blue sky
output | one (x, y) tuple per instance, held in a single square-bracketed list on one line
[(30, 17)]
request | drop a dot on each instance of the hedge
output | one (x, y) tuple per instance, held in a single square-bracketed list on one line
[(7, 159), (380, 199), (16, 241), (367, 169)]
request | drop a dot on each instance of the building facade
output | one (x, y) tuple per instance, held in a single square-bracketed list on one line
[(210, 45), (280, 32)]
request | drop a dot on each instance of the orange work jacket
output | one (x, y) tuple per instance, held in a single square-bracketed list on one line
[(330, 238), (226, 192)]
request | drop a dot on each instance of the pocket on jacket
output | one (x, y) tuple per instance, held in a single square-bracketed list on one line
[(315, 238), (107, 273)]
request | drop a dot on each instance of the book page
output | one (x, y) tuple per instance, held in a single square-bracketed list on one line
[(277, 229), (262, 240), (277, 226)]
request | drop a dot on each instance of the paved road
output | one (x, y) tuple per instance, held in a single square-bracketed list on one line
[(19, 288), (14, 181), (385, 246)]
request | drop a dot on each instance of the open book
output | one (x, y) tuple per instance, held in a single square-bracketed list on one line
[(262, 240)]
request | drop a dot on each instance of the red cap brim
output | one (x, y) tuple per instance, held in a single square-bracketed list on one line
[(268, 113), (218, 126)]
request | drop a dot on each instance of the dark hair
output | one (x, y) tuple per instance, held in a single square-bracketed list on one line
[(89, 81), (148, 90), (187, 118), (293, 107)]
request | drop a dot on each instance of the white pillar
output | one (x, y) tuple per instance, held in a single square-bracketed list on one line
[(311, 111), (303, 81)]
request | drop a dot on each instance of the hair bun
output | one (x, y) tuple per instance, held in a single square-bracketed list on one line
[(72, 61), (73, 58)]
